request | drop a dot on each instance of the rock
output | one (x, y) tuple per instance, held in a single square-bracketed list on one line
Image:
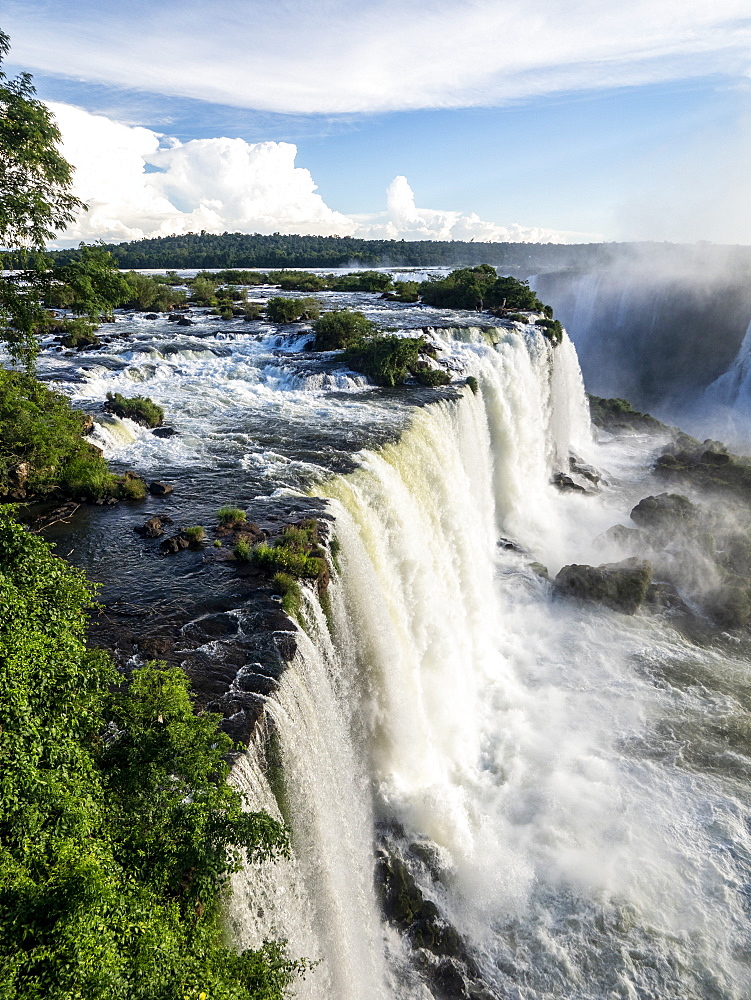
[(621, 586), (184, 321), (153, 528), (151, 316), (711, 457), (540, 569), (588, 472), (630, 539), (667, 510), (566, 484), (164, 432), (177, 543), (155, 647), (88, 424), (729, 605), (508, 545), (160, 489)]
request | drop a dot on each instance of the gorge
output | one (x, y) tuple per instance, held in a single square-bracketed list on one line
[(493, 790)]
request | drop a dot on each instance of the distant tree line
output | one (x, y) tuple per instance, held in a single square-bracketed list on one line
[(243, 250)]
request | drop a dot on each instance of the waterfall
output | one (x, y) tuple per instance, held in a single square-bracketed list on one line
[(460, 715)]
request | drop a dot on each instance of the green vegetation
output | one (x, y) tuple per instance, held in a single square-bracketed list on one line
[(432, 377), (404, 291), (41, 448), (289, 590), (152, 294), (387, 360), (129, 487), (298, 281), (619, 414), (550, 328), (473, 384), (480, 288), (251, 311), (118, 830), (360, 281), (79, 334), (336, 331), (195, 534), (229, 516), (242, 550), (203, 290), (141, 409), (283, 310), (296, 553), (517, 317)]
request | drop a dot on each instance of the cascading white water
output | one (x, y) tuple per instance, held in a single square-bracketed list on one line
[(522, 738)]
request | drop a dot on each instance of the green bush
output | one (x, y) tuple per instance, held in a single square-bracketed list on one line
[(386, 360), (550, 328), (361, 281), (298, 281), (241, 277), (341, 329), (141, 409), (152, 294), (283, 310), (79, 334), (118, 829), (41, 448), (203, 290), (479, 288), (404, 291), (242, 551), (289, 590), (432, 377), (226, 312), (129, 487), (517, 317), (252, 311), (195, 534), (473, 384), (231, 515)]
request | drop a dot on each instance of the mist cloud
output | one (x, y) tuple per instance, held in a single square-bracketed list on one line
[(138, 183)]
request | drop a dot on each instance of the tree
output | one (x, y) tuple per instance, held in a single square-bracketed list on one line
[(35, 179)]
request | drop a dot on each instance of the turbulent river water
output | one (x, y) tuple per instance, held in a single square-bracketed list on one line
[(568, 785)]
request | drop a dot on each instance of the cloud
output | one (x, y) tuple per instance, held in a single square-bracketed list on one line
[(333, 56), (138, 183)]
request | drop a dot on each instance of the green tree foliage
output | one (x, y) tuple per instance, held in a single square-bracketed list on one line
[(117, 826), (387, 360), (341, 329), (35, 180), (361, 281), (41, 448), (466, 288), (144, 293), (139, 408), (298, 281), (283, 310)]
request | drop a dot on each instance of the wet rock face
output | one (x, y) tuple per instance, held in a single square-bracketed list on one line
[(621, 586), (666, 510), (153, 528)]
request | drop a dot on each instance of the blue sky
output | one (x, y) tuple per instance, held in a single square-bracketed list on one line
[(531, 120)]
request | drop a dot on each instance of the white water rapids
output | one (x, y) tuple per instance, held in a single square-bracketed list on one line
[(534, 745)]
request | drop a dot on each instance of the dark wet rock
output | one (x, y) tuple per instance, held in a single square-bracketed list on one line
[(540, 569), (151, 316), (666, 510), (621, 586), (730, 604), (249, 680), (566, 484), (448, 981), (171, 546), (584, 471), (664, 596), (618, 415), (508, 545), (153, 528), (156, 647), (160, 489), (184, 321), (711, 457), (631, 540), (705, 464), (164, 432)]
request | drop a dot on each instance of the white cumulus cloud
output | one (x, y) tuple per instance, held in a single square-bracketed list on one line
[(138, 183)]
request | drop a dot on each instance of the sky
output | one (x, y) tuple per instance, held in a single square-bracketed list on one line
[(531, 120)]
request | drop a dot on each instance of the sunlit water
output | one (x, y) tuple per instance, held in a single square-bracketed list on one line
[(581, 775)]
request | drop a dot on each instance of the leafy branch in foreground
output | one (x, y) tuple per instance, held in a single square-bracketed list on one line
[(118, 830)]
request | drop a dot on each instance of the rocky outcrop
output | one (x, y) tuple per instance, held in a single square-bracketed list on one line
[(666, 510), (621, 586), (153, 528), (160, 489)]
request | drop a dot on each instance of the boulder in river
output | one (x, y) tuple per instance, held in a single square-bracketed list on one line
[(622, 586), (153, 528), (164, 432), (160, 489)]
